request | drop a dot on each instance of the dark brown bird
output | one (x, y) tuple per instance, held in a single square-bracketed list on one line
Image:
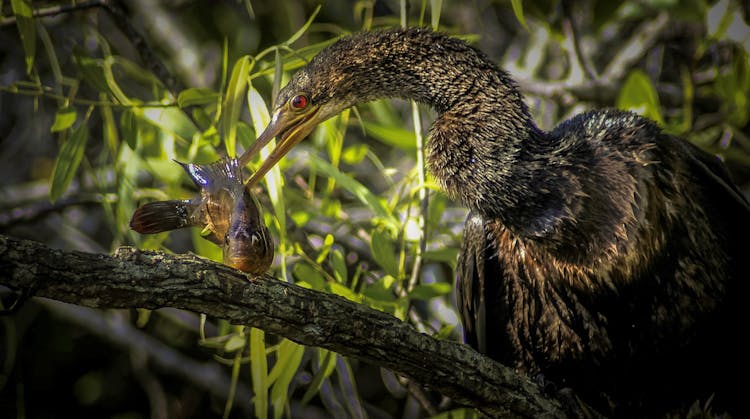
[(604, 255), (224, 208)]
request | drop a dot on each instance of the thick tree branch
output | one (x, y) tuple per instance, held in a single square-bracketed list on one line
[(148, 279)]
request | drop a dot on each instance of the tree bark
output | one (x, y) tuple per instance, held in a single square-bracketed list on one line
[(134, 278)]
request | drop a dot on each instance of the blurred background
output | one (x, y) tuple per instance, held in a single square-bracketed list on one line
[(98, 97)]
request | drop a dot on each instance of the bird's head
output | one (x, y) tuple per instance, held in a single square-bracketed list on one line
[(318, 91)]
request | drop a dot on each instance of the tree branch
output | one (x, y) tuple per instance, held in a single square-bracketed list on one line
[(149, 279)]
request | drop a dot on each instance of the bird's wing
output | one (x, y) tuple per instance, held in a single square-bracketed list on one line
[(470, 282)]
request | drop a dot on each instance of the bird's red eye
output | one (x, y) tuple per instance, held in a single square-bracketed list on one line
[(299, 102)]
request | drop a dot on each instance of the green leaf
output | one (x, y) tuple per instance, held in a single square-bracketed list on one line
[(64, 119), (326, 366), (355, 153), (383, 251), (274, 181), (235, 343), (304, 27), (354, 187), (428, 291), (289, 358), (129, 128), (26, 29), (339, 265), (259, 372), (234, 100), (392, 135), (639, 95), (91, 70), (170, 119), (306, 273), (344, 291), (196, 96), (68, 160), (518, 11)]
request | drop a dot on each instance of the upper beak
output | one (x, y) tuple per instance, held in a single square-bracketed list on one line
[(291, 128)]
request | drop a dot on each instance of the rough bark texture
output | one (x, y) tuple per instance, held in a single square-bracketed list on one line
[(147, 279)]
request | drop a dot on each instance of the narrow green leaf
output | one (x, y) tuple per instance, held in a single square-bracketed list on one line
[(26, 29), (344, 291), (233, 102), (64, 119), (288, 362), (384, 251), (274, 181), (392, 135), (428, 291), (354, 187), (129, 128), (235, 343), (355, 154), (68, 160), (170, 119), (518, 11), (339, 265), (304, 27), (435, 8), (326, 366), (639, 95), (91, 70), (259, 372), (196, 96), (306, 273)]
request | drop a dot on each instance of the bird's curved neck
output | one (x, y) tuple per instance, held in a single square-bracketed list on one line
[(483, 129)]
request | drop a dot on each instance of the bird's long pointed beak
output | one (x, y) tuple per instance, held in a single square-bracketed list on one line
[(290, 129)]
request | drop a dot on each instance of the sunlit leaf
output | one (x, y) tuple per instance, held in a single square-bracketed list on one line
[(196, 96), (518, 11), (235, 343), (26, 29), (170, 119), (326, 366), (384, 251), (259, 372), (339, 265), (68, 160), (639, 95), (306, 273), (64, 119), (304, 27), (289, 358), (428, 291), (392, 135), (234, 101), (355, 153), (354, 187)]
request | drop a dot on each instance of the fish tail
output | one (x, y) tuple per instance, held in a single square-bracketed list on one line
[(218, 173), (159, 216)]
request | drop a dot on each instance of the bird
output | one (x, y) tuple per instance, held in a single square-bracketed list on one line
[(226, 210), (604, 255)]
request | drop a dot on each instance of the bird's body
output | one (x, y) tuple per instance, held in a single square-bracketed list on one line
[(224, 208), (603, 255)]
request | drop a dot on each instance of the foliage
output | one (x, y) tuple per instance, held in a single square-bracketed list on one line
[(347, 207)]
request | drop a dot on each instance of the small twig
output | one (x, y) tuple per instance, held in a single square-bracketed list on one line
[(642, 40), (571, 32), (55, 10)]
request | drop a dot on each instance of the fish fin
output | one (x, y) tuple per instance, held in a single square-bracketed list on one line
[(159, 216), (223, 173)]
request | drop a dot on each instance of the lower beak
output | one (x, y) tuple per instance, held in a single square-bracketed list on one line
[(290, 132)]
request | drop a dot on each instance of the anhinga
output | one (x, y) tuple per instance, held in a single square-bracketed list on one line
[(604, 255)]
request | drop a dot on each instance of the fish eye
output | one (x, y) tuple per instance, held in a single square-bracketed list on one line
[(299, 102)]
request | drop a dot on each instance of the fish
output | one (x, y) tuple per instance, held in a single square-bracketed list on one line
[(225, 209)]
